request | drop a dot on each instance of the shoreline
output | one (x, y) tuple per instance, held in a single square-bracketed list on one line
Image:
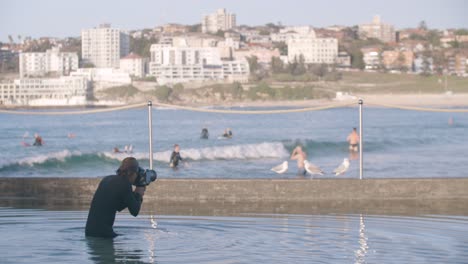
[(422, 100)]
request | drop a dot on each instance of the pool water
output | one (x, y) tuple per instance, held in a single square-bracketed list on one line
[(44, 236)]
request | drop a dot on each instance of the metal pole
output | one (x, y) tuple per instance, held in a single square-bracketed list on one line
[(360, 140), (150, 131)]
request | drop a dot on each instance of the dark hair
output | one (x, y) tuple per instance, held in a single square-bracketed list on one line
[(354, 128), (128, 166), (176, 145)]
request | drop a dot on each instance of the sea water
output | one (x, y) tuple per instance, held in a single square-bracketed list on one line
[(397, 143), (40, 236)]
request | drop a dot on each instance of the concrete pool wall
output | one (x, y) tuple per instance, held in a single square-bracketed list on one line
[(449, 195)]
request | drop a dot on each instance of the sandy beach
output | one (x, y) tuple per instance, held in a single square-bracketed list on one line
[(426, 100)]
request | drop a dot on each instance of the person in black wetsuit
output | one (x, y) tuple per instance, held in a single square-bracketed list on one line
[(204, 133), (113, 194), (175, 157)]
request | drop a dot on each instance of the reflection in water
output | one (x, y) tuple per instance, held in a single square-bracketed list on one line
[(151, 240), (362, 251), (102, 250), (58, 237)]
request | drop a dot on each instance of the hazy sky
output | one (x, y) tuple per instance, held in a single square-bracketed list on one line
[(62, 18)]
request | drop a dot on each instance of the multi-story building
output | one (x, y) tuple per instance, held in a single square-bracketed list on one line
[(394, 59), (66, 90), (103, 78), (103, 46), (182, 63), (371, 58), (220, 20), (314, 50), (35, 64), (134, 65), (377, 29), (343, 60), (263, 55)]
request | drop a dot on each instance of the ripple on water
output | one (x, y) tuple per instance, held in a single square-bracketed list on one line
[(38, 236)]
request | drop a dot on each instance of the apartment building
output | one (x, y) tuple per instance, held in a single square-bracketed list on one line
[(182, 63), (313, 49), (134, 65), (220, 20), (54, 62), (377, 29), (66, 90), (103, 46)]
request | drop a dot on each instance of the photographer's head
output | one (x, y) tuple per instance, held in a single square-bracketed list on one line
[(129, 169)]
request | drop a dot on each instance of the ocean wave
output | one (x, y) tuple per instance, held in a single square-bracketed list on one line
[(235, 152), (67, 158)]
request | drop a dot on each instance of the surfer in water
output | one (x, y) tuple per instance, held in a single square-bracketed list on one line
[(175, 157), (204, 133), (113, 194), (37, 140), (299, 155), (353, 140), (227, 133)]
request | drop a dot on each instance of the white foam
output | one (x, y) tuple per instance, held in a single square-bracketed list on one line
[(39, 159), (240, 152)]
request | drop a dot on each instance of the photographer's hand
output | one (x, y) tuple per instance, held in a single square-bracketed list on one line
[(140, 190)]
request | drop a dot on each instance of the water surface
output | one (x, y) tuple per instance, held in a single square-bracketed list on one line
[(40, 236), (397, 143)]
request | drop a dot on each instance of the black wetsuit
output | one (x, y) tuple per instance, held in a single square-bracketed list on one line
[(175, 158), (204, 134), (113, 194)]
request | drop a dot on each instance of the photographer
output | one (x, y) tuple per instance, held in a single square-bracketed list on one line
[(114, 194)]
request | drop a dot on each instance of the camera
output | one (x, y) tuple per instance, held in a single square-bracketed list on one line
[(145, 177)]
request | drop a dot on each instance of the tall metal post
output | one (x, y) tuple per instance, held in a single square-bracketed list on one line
[(360, 140), (150, 131)]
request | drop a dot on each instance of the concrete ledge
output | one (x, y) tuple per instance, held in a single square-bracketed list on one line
[(255, 195)]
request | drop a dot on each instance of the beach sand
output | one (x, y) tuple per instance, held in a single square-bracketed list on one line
[(421, 100)]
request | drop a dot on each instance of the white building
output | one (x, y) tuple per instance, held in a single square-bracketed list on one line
[(36, 64), (371, 58), (176, 64), (134, 65), (103, 78), (45, 92), (314, 50), (378, 30), (104, 46), (294, 32), (220, 20)]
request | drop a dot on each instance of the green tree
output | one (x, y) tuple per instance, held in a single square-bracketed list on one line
[(462, 31), (319, 70), (162, 93), (194, 28), (282, 47), (277, 65), (433, 37), (178, 88), (236, 90), (220, 33), (141, 46), (253, 64)]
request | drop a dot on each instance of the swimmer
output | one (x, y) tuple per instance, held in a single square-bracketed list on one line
[(353, 140), (204, 133), (71, 135), (116, 150), (37, 140), (227, 133), (299, 155), (175, 157)]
